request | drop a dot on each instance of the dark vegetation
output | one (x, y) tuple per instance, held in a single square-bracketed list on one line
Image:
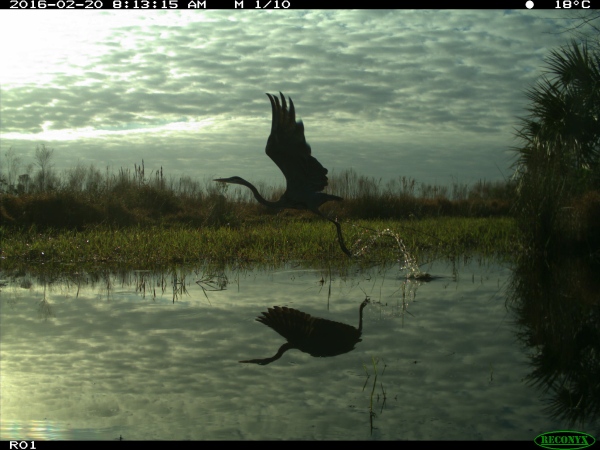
[(84, 197), (554, 288), (558, 166)]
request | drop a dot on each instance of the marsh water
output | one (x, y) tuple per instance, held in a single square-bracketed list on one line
[(139, 355)]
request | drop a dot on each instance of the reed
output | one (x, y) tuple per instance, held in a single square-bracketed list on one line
[(85, 196)]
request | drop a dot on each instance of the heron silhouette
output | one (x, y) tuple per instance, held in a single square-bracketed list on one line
[(313, 335), (305, 176)]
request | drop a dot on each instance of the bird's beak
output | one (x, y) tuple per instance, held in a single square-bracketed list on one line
[(222, 180)]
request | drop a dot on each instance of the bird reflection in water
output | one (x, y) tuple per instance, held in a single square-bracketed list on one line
[(312, 335)]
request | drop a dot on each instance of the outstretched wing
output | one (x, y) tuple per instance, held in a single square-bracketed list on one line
[(296, 326), (287, 147)]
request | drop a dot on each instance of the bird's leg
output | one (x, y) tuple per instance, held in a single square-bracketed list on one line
[(341, 238), (339, 231)]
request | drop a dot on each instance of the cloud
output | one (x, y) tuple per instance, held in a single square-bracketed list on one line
[(386, 81)]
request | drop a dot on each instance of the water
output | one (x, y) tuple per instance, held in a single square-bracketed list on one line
[(147, 355)]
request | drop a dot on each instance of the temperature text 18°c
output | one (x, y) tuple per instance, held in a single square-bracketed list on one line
[(570, 4)]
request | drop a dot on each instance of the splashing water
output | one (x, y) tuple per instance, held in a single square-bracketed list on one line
[(407, 261)]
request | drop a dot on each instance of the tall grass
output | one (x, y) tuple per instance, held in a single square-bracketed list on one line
[(141, 218), (85, 196)]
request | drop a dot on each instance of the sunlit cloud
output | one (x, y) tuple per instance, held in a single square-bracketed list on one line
[(50, 135), (375, 89)]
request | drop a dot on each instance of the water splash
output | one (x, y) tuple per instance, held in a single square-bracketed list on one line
[(407, 261)]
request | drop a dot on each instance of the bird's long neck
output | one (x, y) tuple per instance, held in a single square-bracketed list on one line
[(259, 197)]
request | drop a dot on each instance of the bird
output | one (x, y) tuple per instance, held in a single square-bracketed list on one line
[(313, 335), (305, 176)]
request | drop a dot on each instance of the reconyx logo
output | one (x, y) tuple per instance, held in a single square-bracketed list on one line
[(564, 440)]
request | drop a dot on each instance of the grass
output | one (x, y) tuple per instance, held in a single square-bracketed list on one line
[(85, 197), (140, 220), (275, 240)]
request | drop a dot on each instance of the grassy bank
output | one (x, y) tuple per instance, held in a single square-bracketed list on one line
[(274, 240), (140, 219)]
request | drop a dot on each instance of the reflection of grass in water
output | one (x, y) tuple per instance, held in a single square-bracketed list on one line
[(141, 281), (44, 307), (212, 281), (372, 413), (208, 280), (153, 283), (178, 282)]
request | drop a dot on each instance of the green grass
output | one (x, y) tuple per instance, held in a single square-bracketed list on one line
[(274, 240), (130, 219)]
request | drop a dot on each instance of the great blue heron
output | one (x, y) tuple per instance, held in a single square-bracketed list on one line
[(305, 176), (312, 335)]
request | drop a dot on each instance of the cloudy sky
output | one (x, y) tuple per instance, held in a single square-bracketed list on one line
[(432, 95)]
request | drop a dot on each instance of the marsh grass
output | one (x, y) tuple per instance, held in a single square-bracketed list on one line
[(142, 219), (84, 197), (269, 242)]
